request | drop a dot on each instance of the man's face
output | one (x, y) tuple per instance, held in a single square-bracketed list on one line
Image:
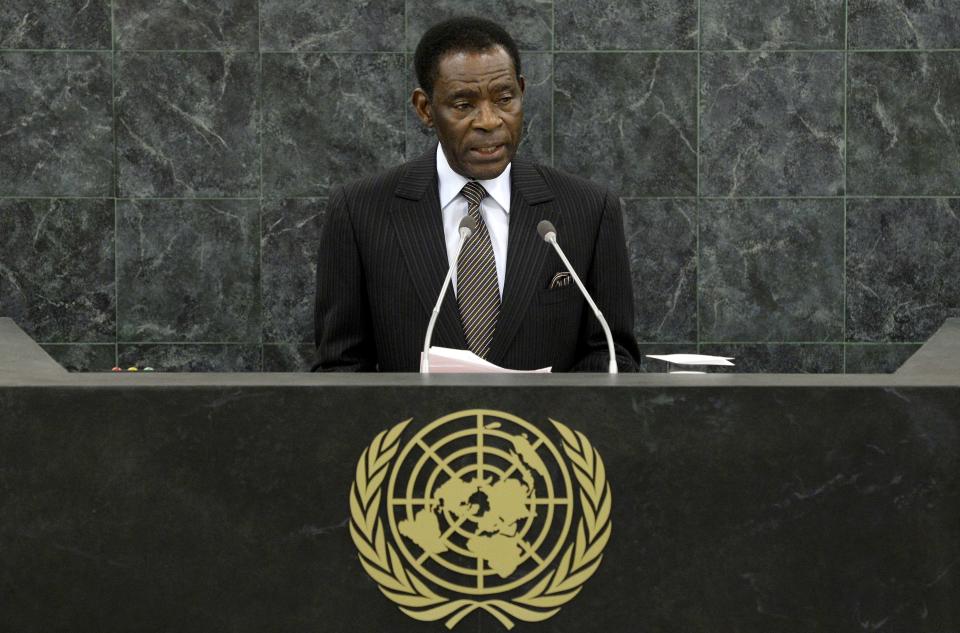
[(477, 110)]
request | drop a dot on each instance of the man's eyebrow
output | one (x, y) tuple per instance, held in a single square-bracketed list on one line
[(502, 85), (460, 93)]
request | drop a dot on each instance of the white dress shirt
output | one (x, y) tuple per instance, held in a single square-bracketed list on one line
[(495, 211)]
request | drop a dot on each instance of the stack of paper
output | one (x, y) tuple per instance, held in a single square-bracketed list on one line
[(692, 359), (444, 360)]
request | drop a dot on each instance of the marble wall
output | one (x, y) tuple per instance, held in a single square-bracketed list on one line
[(790, 169)]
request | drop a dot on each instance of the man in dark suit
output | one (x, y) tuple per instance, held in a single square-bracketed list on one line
[(389, 239)]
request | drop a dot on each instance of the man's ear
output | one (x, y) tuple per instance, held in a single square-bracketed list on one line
[(421, 105), (523, 83)]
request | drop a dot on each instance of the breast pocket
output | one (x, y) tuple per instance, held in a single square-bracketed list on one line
[(558, 295)]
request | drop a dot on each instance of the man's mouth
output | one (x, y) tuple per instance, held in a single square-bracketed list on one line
[(488, 150)]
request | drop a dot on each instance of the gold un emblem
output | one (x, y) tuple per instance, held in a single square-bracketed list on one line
[(478, 510)]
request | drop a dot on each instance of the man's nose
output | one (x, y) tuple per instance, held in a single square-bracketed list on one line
[(487, 117)]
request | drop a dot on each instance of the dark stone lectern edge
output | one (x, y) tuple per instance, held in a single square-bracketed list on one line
[(472, 381), (23, 363)]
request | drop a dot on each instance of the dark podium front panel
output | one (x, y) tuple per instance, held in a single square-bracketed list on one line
[(181, 503)]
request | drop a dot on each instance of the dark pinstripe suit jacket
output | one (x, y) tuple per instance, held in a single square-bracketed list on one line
[(382, 260)]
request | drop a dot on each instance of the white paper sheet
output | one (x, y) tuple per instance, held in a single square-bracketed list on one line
[(444, 360), (693, 359)]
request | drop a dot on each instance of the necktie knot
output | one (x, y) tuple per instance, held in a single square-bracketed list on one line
[(474, 192)]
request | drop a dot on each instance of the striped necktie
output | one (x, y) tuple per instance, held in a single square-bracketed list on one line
[(478, 293)]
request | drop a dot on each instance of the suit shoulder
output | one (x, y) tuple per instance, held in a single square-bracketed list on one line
[(373, 186)]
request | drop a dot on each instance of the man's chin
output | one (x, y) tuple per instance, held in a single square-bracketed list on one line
[(485, 170)]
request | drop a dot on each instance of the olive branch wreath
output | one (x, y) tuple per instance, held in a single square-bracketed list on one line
[(417, 600)]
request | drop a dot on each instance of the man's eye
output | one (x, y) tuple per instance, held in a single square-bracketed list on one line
[(462, 106), (505, 99)]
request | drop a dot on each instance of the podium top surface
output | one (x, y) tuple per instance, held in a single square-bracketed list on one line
[(23, 363)]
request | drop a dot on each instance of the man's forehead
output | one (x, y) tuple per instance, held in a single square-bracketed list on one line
[(475, 66)]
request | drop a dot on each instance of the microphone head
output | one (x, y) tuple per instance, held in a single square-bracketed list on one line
[(546, 230), (467, 226)]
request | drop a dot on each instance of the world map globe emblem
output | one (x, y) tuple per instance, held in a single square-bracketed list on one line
[(480, 509), (480, 502)]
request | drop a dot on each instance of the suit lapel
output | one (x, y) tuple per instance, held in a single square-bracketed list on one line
[(526, 252), (418, 222)]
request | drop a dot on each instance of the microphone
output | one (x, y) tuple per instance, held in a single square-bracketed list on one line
[(549, 234), (466, 228)]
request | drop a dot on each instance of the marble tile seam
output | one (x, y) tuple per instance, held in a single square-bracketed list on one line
[(832, 50), (56, 50), (553, 82), (847, 197), (699, 89), (269, 197), (523, 52), (259, 282), (846, 187), (115, 185), (248, 51), (639, 341), (625, 198), (770, 197), (260, 83), (332, 52), (846, 24), (199, 198), (126, 198), (407, 59), (186, 343), (130, 50), (903, 50), (823, 343), (114, 169), (57, 198), (116, 277), (111, 343), (80, 344), (751, 50), (113, 26)]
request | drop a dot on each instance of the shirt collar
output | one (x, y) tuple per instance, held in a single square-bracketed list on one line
[(451, 183)]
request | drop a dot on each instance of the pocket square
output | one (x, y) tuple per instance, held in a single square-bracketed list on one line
[(560, 280)]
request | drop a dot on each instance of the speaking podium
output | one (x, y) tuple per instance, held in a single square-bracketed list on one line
[(719, 503)]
